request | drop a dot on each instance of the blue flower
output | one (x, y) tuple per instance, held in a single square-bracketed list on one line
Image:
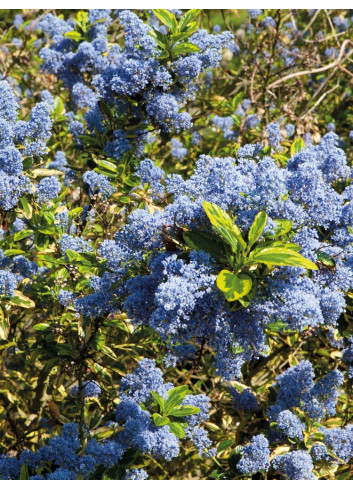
[(255, 456)]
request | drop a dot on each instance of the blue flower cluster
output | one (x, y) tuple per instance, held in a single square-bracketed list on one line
[(18, 139), (12, 271), (297, 389), (132, 79), (178, 297), (299, 395), (64, 459), (255, 456), (90, 388), (98, 184)]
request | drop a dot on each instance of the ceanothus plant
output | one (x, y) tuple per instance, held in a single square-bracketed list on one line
[(129, 91), (177, 295), (174, 302), (136, 433)]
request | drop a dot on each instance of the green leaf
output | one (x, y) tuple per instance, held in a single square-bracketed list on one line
[(24, 474), (102, 433), (58, 106), (25, 207), (188, 17), (73, 255), (160, 420), (297, 146), (184, 35), (27, 163), (177, 429), (159, 38), (107, 165), (276, 244), (22, 234), (185, 48), (41, 241), (257, 228), (175, 396), (41, 326), (282, 257), (248, 298), (180, 412), (281, 158), (224, 445), (281, 227), (232, 285), (75, 36), (21, 300), (13, 252), (208, 242), (167, 18), (159, 400), (225, 226)]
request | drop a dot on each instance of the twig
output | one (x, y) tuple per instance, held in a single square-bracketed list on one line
[(321, 99), (334, 64)]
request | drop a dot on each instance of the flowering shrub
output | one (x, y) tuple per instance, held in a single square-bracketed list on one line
[(176, 256)]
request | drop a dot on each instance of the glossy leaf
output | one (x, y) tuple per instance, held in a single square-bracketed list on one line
[(182, 411), (188, 17), (225, 226), (232, 285), (297, 146), (177, 429), (282, 257), (167, 18), (256, 228)]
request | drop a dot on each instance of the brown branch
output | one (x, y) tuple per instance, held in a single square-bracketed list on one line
[(298, 74)]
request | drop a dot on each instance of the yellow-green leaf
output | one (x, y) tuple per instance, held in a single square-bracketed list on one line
[(185, 48), (188, 17), (225, 226), (297, 146), (160, 420), (232, 285), (21, 300), (282, 257), (166, 17), (257, 228)]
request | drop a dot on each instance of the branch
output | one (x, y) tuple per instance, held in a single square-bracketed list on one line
[(317, 70)]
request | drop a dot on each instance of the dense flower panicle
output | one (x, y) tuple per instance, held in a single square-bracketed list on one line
[(19, 138), (244, 400), (151, 174), (48, 189), (98, 184), (177, 297), (8, 283), (297, 389), (290, 129), (340, 441), (136, 475), (274, 134), (178, 150), (290, 425), (66, 297), (74, 243), (254, 13), (90, 388), (295, 465), (8, 104), (145, 378), (255, 456)]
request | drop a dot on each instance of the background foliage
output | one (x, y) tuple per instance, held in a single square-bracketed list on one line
[(111, 141)]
